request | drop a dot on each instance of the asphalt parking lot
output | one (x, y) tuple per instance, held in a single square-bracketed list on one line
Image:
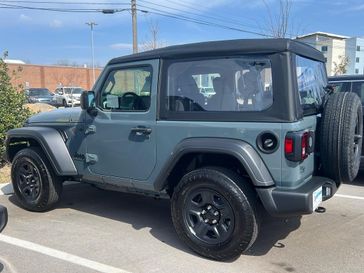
[(99, 231)]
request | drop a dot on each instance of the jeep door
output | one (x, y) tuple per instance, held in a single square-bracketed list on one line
[(121, 137)]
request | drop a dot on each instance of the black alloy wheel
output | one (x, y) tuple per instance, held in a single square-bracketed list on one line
[(28, 180), (209, 216)]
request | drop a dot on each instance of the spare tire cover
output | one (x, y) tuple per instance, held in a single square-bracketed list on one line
[(341, 137)]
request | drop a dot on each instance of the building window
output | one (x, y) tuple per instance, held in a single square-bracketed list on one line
[(356, 71), (358, 48), (324, 48), (357, 59)]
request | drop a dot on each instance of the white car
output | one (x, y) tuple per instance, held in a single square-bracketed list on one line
[(67, 96)]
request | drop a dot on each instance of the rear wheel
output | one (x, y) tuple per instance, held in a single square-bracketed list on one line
[(213, 211), (34, 181), (341, 137)]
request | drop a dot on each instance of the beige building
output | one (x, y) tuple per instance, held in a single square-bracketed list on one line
[(331, 45)]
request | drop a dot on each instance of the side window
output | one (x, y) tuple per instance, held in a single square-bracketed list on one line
[(127, 89), (229, 85), (358, 88), (311, 79)]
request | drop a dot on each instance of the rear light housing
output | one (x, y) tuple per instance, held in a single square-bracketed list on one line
[(299, 145)]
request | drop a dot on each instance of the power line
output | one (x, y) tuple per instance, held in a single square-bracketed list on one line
[(65, 3), (198, 21), (151, 10), (219, 18)]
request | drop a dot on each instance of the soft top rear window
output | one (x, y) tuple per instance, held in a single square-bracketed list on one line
[(312, 80)]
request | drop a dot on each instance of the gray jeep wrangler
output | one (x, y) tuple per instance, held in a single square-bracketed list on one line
[(269, 134)]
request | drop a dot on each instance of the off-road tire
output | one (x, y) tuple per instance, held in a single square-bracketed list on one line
[(341, 137), (50, 185), (242, 200)]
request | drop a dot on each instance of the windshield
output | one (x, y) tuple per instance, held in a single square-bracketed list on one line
[(312, 80), (39, 92), (77, 91)]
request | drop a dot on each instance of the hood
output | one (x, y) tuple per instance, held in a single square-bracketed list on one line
[(59, 116)]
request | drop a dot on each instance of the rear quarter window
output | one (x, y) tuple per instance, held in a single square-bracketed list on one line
[(311, 80), (239, 84)]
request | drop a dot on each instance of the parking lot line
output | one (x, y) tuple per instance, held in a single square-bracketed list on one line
[(61, 255), (350, 196)]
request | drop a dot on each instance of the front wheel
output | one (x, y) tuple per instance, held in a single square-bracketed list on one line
[(34, 181), (214, 213)]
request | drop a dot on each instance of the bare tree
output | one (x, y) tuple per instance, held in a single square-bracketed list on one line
[(278, 24), (340, 66), (152, 41)]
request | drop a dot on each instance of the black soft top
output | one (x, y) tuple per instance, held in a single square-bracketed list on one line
[(229, 47)]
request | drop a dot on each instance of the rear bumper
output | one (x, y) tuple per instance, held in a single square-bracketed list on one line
[(291, 202)]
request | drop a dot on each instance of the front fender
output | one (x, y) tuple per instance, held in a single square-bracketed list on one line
[(52, 144), (244, 152)]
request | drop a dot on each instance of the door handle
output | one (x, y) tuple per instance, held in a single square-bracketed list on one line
[(139, 131)]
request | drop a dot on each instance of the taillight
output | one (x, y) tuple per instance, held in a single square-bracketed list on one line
[(298, 145), (288, 145), (304, 146)]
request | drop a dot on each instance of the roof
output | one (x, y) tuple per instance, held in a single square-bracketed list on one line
[(8, 61), (229, 47), (326, 34)]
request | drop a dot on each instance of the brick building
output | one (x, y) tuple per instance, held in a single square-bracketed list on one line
[(51, 77)]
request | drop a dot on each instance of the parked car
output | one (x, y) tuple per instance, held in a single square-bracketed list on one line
[(41, 95), (218, 161), (68, 96), (349, 83), (3, 217)]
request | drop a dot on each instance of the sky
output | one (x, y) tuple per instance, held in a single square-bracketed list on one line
[(48, 37)]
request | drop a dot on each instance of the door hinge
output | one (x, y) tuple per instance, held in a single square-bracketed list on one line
[(91, 158)]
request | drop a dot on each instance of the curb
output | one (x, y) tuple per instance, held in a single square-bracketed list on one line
[(6, 189)]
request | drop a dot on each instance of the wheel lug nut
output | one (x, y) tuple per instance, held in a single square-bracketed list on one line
[(209, 207), (216, 213), (214, 221), (206, 220), (203, 212)]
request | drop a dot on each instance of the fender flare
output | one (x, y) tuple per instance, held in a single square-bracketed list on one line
[(52, 144), (244, 152)]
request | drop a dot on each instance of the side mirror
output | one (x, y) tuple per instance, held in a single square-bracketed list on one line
[(3, 217), (87, 100)]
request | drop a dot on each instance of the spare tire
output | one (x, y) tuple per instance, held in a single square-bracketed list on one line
[(341, 137)]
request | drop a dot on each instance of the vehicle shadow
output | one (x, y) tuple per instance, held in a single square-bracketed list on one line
[(358, 180), (272, 231), (145, 212)]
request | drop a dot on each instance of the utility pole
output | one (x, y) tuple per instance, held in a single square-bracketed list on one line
[(92, 24), (134, 22)]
